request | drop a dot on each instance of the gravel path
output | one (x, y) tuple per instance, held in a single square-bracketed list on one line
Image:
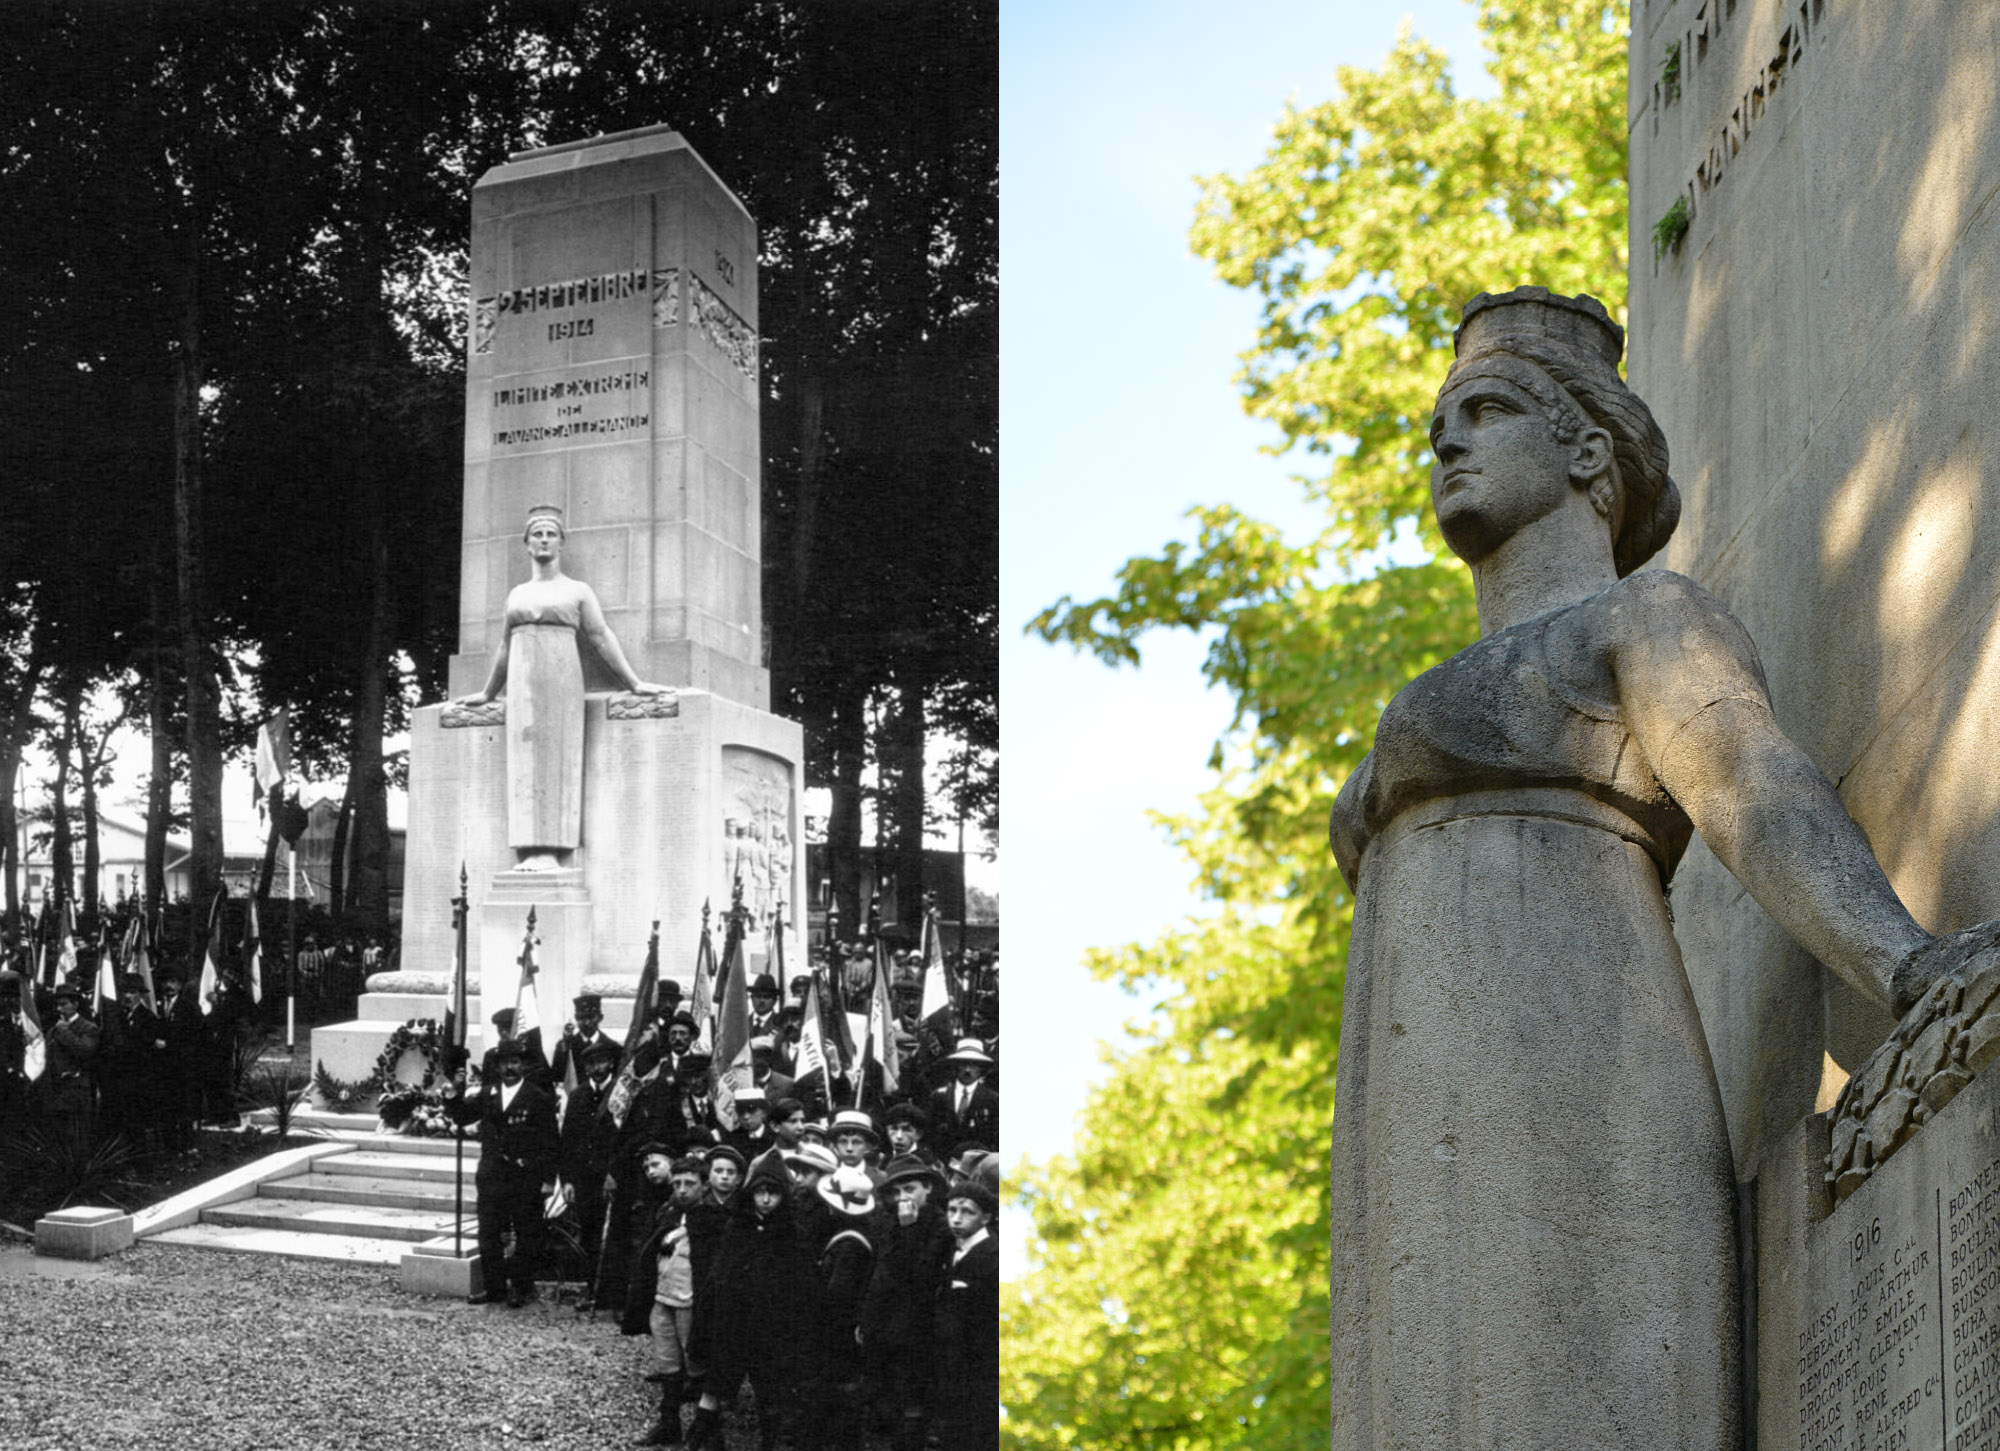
[(200, 1351)]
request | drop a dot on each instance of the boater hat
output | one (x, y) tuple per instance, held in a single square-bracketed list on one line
[(813, 1156), (849, 1191), (969, 1050), (854, 1121)]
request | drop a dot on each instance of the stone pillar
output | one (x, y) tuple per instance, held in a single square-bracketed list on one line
[(613, 372)]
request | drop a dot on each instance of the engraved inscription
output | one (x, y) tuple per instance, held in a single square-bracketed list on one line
[(610, 400), (1974, 1294), (1726, 138)]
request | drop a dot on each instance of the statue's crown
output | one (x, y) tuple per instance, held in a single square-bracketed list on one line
[(1579, 323)]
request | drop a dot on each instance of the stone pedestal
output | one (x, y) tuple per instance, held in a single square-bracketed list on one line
[(562, 928), (83, 1233)]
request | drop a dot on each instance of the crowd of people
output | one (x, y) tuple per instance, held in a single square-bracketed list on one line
[(820, 1228), (825, 1235)]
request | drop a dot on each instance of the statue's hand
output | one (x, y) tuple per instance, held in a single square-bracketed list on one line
[(1963, 955)]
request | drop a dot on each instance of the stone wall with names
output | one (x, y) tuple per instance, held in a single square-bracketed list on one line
[(1891, 1327)]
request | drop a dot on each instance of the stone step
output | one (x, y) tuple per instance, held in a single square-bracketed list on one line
[(425, 1168), (318, 1120), (378, 1191), (290, 1244), (380, 1143), (357, 1220)]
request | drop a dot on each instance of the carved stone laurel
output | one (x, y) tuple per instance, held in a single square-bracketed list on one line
[(642, 707), (459, 717), (409, 982), (1952, 1033)]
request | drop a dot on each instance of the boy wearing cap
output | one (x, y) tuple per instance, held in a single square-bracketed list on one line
[(752, 1134), (896, 1312), (661, 1302), (855, 1141), (758, 1282), (69, 1093), (966, 1324)]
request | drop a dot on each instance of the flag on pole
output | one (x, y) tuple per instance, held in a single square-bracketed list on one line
[(625, 1085), (253, 954), (811, 1073), (65, 942), (731, 1066), (34, 1048), (210, 987), (527, 1001), (106, 995), (139, 957), (274, 753), (701, 997), (454, 1013), (882, 1047), (940, 988)]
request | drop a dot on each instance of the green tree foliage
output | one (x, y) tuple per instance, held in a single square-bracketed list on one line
[(1178, 1296)]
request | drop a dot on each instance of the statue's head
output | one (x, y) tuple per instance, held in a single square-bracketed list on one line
[(1532, 355), (546, 515)]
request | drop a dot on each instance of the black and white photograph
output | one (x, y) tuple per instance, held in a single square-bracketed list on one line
[(500, 725)]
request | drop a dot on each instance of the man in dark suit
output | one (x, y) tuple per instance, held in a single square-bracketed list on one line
[(588, 1137), (966, 1110), (535, 1062), (578, 1038), (517, 1168)]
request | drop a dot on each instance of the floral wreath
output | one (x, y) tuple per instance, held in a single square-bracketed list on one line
[(426, 1035), (338, 1093)]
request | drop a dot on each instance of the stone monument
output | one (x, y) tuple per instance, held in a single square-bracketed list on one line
[(612, 395), (1543, 1234)]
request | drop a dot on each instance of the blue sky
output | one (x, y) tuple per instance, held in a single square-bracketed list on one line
[(1118, 414)]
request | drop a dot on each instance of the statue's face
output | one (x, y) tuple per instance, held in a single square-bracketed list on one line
[(544, 539), (1500, 466)]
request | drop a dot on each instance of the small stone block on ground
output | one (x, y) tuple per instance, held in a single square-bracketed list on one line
[(432, 1268), (83, 1233)]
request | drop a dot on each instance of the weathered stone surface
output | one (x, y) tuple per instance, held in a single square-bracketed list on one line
[(613, 371), (1878, 1325), (83, 1233)]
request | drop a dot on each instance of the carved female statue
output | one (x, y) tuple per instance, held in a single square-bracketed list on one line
[(1533, 1194), (538, 663)]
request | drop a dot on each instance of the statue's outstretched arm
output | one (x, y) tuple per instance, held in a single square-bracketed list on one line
[(1693, 694), (598, 631), (496, 677)]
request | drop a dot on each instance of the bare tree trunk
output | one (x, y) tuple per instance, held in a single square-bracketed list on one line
[(20, 720), (900, 754), (89, 762), (204, 720), (160, 784), (62, 851), (849, 750), (368, 885), (337, 868)]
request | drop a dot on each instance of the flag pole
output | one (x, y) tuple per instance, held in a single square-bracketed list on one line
[(291, 947), (458, 913)]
